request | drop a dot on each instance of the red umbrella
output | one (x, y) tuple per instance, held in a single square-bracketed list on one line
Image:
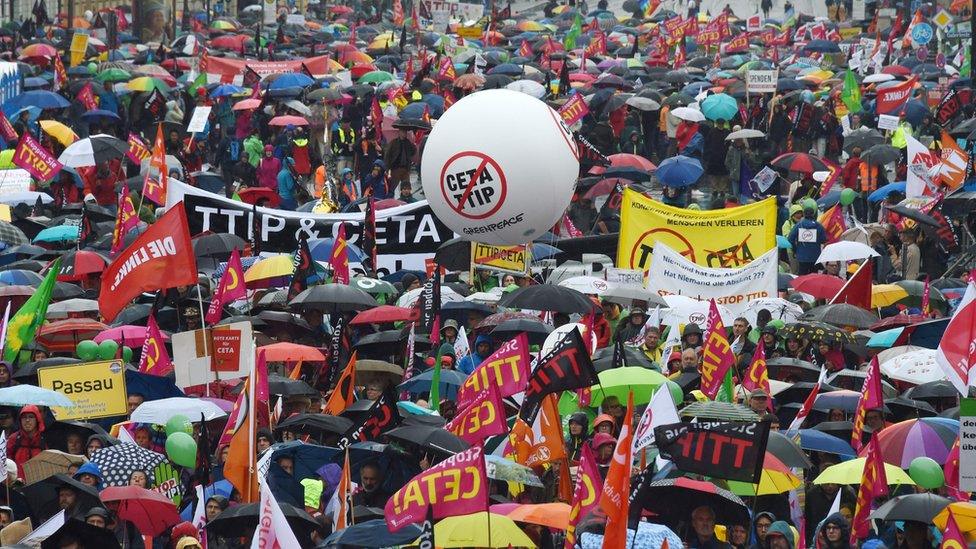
[(79, 264), (897, 70), (291, 352), (255, 195), (62, 336), (340, 10), (151, 512), (288, 120), (388, 203), (820, 286), (896, 321), (799, 162), (385, 314), (180, 64), (230, 41), (605, 186), (625, 160)]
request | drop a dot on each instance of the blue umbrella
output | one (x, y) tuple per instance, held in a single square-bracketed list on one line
[(22, 395), (915, 110), (821, 46), (508, 69), (396, 470), (321, 249), (41, 99), (450, 381), (679, 171), (308, 458), (373, 533), (20, 277), (885, 339), (225, 90), (290, 80), (819, 441), (61, 233), (99, 114), (413, 111), (542, 251), (695, 88), (883, 192), (34, 82), (80, 70), (151, 387), (789, 84), (783, 243), (829, 199), (719, 106)]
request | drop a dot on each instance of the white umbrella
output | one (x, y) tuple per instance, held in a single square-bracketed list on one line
[(76, 305), (879, 77), (93, 151), (643, 103), (586, 285), (160, 411), (747, 133), (22, 395), (626, 294), (410, 298), (915, 367), (779, 308), (888, 354), (684, 310), (846, 251), (298, 107), (484, 297), (528, 87), (689, 114), (25, 197)]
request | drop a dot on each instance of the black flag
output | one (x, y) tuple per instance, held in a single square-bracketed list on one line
[(38, 205), (403, 38), (252, 78), (430, 301), (255, 230), (304, 268), (40, 13), (564, 78), (338, 348), (619, 358), (382, 416), (86, 231), (633, 51), (565, 368)]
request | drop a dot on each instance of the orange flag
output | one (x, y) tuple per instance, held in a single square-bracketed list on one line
[(615, 500), (155, 189), (543, 441), (343, 513), (952, 172), (833, 221), (241, 467), (296, 372), (757, 376), (343, 395)]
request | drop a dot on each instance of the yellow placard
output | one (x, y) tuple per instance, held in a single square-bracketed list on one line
[(470, 32), (5, 213), (730, 237), (96, 388), (846, 33), (512, 259), (79, 45)]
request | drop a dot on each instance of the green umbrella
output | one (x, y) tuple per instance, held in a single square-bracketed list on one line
[(113, 75), (719, 106), (619, 382), (375, 77)]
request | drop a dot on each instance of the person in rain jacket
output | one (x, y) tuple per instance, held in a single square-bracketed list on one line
[(27, 442), (286, 184), (254, 149), (90, 474), (807, 238), (578, 426), (375, 181), (780, 529), (268, 169), (482, 348)]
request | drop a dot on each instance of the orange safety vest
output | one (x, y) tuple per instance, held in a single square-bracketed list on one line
[(868, 177)]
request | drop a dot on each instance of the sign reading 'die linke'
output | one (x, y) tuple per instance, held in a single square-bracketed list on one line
[(729, 450)]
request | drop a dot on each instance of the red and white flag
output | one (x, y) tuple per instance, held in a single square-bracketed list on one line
[(955, 353)]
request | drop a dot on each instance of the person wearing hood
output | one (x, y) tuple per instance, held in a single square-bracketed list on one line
[(631, 142), (482, 348), (268, 168), (287, 184), (836, 531), (603, 446), (691, 336), (94, 443), (578, 426), (6, 374), (807, 238), (760, 526), (780, 536), (375, 181), (27, 442), (89, 474), (254, 149), (690, 140)]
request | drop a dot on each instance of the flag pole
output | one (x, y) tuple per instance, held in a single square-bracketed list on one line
[(203, 324), (252, 427)]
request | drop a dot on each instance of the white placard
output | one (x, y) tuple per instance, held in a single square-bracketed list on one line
[(671, 273), (630, 277), (762, 81), (199, 119), (887, 122), (967, 445), (14, 181), (295, 19), (858, 11), (191, 356)]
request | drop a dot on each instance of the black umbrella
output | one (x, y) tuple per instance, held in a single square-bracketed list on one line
[(535, 330), (217, 244), (372, 533), (28, 372), (906, 408), (42, 497), (333, 298), (840, 429), (673, 500), (933, 389), (547, 297), (880, 154), (454, 254), (318, 425), (914, 215), (287, 387), (432, 438), (816, 332), (56, 435), (603, 358), (841, 314), (787, 451), (233, 521), (862, 138), (77, 530), (783, 368), (917, 507), (94, 151)]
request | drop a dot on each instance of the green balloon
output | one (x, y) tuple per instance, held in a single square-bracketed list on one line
[(127, 354), (93, 67), (87, 350), (179, 424), (809, 203), (108, 349), (927, 473), (847, 197), (181, 449)]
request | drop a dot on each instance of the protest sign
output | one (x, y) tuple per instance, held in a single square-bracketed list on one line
[(727, 450), (762, 81), (96, 388), (202, 356), (509, 259), (198, 122)]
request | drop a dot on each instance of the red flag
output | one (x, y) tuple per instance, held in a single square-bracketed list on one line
[(952, 474), (397, 13), (60, 75), (925, 297), (589, 486), (154, 360), (955, 353), (414, 20), (446, 69), (615, 499), (574, 109), (891, 99), (425, 116), (126, 219), (679, 56), (739, 43), (482, 418), (758, 376), (230, 287), (161, 258), (7, 131), (376, 117), (273, 531), (717, 356), (340, 258), (597, 46), (874, 484), (154, 187), (525, 50), (833, 222), (871, 399), (857, 289), (343, 512), (507, 369), (344, 393), (87, 97), (449, 99)]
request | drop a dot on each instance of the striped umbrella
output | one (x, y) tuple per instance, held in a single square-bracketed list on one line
[(931, 437)]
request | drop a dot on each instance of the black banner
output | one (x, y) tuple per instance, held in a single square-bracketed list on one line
[(405, 235), (335, 362), (304, 269), (155, 105), (948, 106), (565, 368), (381, 417), (719, 449), (430, 302)]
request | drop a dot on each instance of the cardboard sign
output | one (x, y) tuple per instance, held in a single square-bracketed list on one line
[(510, 259), (96, 388), (194, 352), (761, 81), (199, 119), (887, 122), (630, 277)]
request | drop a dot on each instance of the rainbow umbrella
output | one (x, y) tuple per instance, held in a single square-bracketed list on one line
[(930, 437), (776, 478), (147, 84)]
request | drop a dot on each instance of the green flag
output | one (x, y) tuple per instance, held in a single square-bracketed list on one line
[(851, 94), (22, 327), (435, 383), (199, 82), (727, 391), (570, 40)]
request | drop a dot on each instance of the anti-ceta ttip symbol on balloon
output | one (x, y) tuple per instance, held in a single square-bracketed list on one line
[(473, 184)]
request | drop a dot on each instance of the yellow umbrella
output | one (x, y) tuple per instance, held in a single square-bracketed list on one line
[(272, 267), (965, 515), (851, 472), (883, 295), (771, 482), (472, 531), (59, 131)]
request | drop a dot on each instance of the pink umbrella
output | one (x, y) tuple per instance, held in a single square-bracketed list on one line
[(288, 120), (246, 105), (129, 335), (151, 512)]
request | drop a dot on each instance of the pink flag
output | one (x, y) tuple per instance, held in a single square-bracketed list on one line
[(871, 398), (589, 484), (154, 360), (717, 355), (273, 531), (340, 257), (126, 219), (231, 287), (507, 369), (33, 157)]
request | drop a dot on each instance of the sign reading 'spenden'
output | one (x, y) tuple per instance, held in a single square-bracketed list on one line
[(96, 388)]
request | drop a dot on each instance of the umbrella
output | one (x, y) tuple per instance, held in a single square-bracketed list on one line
[(799, 162), (818, 441), (619, 382), (307, 458), (786, 368), (880, 155), (372, 534), (117, 462), (132, 336), (915, 215), (775, 478), (852, 471), (720, 106), (244, 518), (721, 411), (536, 330), (319, 425), (56, 434), (150, 511), (930, 437), (379, 370), (11, 235), (933, 389), (964, 514), (287, 387), (430, 437), (815, 331), (841, 314), (217, 244), (288, 120), (450, 381), (160, 411), (499, 468), (291, 352), (547, 297), (862, 138), (385, 314), (49, 463), (74, 529), (22, 395), (58, 235), (480, 530), (883, 295), (553, 515), (673, 500), (786, 450), (333, 298), (679, 171), (20, 277), (917, 507), (688, 114), (93, 151), (65, 135), (747, 133), (42, 496), (76, 265), (64, 335), (917, 366), (846, 251)]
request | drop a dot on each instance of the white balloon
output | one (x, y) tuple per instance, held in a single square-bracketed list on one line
[(526, 157)]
